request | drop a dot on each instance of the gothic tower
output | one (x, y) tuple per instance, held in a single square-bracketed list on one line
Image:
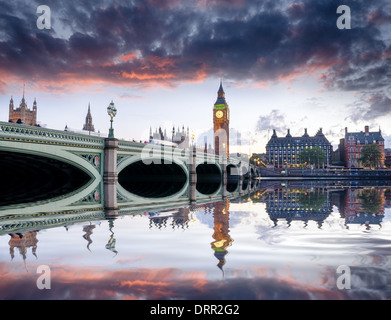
[(221, 123), (23, 114), (88, 126)]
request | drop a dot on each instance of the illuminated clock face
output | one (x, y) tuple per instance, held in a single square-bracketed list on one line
[(219, 114)]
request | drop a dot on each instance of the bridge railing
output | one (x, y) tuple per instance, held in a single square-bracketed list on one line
[(32, 134), (153, 150), (38, 134)]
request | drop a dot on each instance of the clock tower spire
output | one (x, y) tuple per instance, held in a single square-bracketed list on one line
[(221, 123)]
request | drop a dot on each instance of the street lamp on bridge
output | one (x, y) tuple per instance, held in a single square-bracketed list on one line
[(111, 111), (192, 138)]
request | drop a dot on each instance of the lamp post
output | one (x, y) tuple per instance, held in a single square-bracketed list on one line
[(111, 111), (110, 176), (192, 138)]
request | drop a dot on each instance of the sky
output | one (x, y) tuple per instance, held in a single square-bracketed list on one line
[(283, 64)]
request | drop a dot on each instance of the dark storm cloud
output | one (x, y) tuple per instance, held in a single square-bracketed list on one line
[(173, 41), (370, 107), (275, 119)]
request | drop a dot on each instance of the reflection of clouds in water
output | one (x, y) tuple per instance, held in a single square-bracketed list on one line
[(205, 218), (270, 235), (366, 282), (170, 283), (238, 217), (235, 217), (71, 282), (387, 216)]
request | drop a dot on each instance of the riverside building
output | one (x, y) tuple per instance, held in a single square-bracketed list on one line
[(285, 151)]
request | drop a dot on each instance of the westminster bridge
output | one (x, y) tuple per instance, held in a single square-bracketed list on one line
[(46, 169)]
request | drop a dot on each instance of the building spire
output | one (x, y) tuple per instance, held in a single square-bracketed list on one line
[(88, 126), (221, 95), (221, 90)]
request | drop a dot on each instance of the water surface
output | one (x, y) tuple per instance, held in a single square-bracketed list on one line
[(283, 241)]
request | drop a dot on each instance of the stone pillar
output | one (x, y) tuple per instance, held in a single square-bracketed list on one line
[(110, 177), (224, 176), (193, 176), (240, 178)]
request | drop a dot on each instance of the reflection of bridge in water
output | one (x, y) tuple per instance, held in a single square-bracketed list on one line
[(24, 229), (51, 170), (283, 201)]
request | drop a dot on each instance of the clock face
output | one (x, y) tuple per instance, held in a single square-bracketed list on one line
[(219, 114)]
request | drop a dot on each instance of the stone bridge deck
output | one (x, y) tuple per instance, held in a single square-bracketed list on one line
[(48, 169)]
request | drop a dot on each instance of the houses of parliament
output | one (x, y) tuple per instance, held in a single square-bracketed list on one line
[(24, 115)]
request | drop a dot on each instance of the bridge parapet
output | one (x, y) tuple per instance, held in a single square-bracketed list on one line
[(149, 151), (20, 132), (38, 147)]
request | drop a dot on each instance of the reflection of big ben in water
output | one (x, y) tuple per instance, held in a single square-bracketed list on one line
[(222, 239)]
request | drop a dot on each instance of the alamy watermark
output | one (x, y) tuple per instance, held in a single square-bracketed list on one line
[(160, 153), (344, 20), (44, 20), (44, 280), (344, 280)]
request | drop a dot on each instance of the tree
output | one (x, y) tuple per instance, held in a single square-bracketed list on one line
[(371, 200), (314, 155), (313, 200), (371, 156), (257, 160)]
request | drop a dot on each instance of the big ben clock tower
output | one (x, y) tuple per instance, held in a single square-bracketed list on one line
[(221, 124)]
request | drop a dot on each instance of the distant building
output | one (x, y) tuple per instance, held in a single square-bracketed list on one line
[(336, 158), (88, 126), (178, 137), (387, 161), (23, 114), (353, 143), (339, 154), (285, 151)]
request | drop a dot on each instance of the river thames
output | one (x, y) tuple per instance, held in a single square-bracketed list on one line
[(285, 240)]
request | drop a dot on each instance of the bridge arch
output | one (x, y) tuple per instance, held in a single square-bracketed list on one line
[(232, 178), (36, 175), (157, 178), (208, 178)]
